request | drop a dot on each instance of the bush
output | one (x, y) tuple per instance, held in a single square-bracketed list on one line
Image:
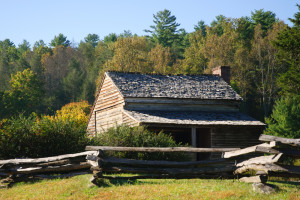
[(45, 136), (139, 136)]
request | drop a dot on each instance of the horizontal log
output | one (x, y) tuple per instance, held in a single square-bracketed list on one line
[(289, 152), (269, 168), (166, 176), (41, 160), (261, 160), (170, 171), (49, 169), (292, 142), (264, 148), (254, 179), (266, 168), (150, 163), (159, 149)]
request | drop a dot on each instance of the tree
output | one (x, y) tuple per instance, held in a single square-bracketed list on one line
[(220, 48), (296, 21), (217, 24), (267, 67), (8, 58), (24, 46), (165, 30), (130, 55), (245, 29), (60, 40), (195, 61), (126, 33), (73, 81), (201, 26), (265, 19), (288, 45), (25, 94), (92, 39), (112, 37), (160, 58), (285, 118)]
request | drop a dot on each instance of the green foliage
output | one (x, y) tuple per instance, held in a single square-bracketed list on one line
[(25, 94), (139, 136), (296, 21), (165, 30), (24, 46), (93, 39), (265, 18), (201, 26), (72, 83), (285, 118), (112, 37), (60, 40), (32, 136)]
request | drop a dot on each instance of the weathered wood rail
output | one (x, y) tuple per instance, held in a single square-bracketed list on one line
[(15, 170), (278, 164), (235, 162), (103, 165)]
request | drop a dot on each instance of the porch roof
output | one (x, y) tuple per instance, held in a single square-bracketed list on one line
[(193, 118)]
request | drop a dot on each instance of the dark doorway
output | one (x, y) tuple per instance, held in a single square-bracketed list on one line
[(203, 140), (180, 135)]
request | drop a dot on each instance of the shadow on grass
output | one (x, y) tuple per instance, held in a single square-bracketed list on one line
[(104, 182), (296, 183)]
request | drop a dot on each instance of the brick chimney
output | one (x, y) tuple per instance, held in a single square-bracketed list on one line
[(223, 71)]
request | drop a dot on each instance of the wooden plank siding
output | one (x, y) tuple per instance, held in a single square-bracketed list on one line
[(108, 107), (234, 136)]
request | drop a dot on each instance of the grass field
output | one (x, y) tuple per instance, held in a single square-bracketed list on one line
[(79, 187)]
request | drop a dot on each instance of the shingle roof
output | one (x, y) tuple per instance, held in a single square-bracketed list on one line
[(173, 86), (193, 118)]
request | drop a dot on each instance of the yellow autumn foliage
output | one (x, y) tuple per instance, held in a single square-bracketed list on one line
[(77, 111)]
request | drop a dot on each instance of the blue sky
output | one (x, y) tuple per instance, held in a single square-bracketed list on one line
[(43, 19)]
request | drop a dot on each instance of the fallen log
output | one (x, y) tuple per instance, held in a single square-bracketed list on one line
[(261, 160), (292, 142), (10, 162), (159, 149), (111, 161), (170, 171)]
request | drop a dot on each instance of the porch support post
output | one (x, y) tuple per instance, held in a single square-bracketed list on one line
[(194, 141)]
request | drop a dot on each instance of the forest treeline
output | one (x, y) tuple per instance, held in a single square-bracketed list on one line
[(262, 51)]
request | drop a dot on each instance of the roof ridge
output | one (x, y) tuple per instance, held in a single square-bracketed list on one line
[(154, 73)]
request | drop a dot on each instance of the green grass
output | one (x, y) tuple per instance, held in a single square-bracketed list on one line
[(79, 187)]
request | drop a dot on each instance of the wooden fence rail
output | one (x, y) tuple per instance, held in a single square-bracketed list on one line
[(15, 170), (233, 163)]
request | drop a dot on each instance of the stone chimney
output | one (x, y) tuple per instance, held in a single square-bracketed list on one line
[(223, 71)]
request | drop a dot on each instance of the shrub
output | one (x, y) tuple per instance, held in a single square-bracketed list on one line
[(45, 136), (139, 136)]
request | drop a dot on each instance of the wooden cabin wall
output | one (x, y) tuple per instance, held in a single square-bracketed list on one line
[(128, 120), (107, 111), (234, 137), (163, 104)]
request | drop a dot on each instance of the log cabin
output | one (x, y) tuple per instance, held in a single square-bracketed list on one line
[(200, 110)]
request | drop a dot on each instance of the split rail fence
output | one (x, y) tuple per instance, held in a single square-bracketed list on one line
[(276, 160), (16, 170), (278, 154)]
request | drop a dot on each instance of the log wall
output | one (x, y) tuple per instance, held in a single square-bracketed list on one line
[(107, 110), (234, 136)]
